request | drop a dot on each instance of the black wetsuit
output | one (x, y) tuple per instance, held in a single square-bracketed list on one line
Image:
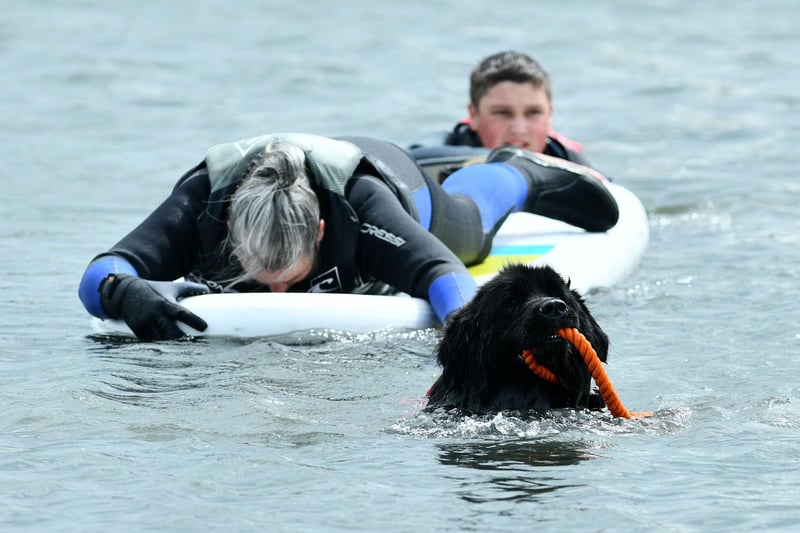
[(372, 234), (462, 135)]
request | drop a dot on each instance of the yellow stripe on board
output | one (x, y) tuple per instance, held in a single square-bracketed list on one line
[(504, 254), (493, 263)]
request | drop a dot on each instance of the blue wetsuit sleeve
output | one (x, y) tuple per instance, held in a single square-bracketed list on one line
[(96, 272), (449, 292)]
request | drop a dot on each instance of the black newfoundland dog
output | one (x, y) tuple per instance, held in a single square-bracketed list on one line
[(480, 352)]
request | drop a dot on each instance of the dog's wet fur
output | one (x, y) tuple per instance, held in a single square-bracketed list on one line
[(480, 350)]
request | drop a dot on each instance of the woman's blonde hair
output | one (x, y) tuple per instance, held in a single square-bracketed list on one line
[(274, 214)]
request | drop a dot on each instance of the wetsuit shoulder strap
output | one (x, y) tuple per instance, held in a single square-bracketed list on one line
[(395, 167), (331, 162)]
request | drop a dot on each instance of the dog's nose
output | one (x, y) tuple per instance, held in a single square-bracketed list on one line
[(552, 308)]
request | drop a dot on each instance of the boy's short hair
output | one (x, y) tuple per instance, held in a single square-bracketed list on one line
[(506, 66)]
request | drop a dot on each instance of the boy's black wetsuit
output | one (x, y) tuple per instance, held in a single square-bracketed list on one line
[(462, 135)]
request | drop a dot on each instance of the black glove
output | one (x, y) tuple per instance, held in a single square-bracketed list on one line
[(150, 308)]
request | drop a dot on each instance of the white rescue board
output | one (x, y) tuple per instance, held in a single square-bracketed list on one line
[(588, 260)]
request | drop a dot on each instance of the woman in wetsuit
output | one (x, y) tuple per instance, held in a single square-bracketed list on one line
[(298, 212)]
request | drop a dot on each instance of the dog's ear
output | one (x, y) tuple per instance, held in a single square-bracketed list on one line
[(453, 349), (455, 353)]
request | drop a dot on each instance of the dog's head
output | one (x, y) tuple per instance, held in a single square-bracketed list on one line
[(519, 309)]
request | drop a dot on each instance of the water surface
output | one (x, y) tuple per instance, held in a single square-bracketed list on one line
[(692, 106)]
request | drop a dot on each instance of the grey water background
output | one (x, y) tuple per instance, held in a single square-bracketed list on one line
[(693, 106)]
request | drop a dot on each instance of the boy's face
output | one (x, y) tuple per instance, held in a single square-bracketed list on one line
[(515, 114)]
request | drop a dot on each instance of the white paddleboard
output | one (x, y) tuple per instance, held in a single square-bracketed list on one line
[(588, 260)]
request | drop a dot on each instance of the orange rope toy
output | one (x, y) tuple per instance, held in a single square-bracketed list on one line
[(610, 396)]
